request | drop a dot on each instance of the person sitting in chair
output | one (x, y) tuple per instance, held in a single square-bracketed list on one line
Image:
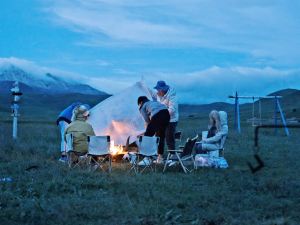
[(80, 129), (217, 129), (64, 118)]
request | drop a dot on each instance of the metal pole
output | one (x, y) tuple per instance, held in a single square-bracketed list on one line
[(15, 122), (259, 105), (15, 91), (283, 118), (275, 115), (238, 113), (253, 108)]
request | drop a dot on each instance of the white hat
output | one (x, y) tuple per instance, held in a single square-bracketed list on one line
[(80, 111)]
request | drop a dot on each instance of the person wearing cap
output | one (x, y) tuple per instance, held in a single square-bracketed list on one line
[(80, 129), (157, 117), (64, 118), (167, 96)]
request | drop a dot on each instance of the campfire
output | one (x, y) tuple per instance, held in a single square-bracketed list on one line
[(116, 149)]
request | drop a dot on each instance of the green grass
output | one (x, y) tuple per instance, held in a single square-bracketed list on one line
[(51, 193)]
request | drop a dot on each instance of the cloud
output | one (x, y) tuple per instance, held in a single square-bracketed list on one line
[(213, 84), (260, 28), (38, 71)]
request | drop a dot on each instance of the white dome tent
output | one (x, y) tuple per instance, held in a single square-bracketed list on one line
[(119, 116)]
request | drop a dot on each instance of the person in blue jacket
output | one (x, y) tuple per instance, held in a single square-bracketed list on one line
[(65, 118)]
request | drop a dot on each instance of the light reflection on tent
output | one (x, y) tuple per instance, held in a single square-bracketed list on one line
[(118, 115)]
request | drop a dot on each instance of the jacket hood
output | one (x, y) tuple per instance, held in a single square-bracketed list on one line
[(223, 118)]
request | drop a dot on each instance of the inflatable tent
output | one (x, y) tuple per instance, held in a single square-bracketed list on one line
[(119, 116)]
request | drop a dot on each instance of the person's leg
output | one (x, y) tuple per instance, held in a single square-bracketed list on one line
[(170, 135), (199, 149), (154, 128), (151, 129), (62, 127), (163, 122)]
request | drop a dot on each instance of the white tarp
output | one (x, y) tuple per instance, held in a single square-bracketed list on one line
[(119, 116)]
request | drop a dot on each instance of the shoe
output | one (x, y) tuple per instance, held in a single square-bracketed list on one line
[(63, 159), (145, 162), (126, 157), (169, 161)]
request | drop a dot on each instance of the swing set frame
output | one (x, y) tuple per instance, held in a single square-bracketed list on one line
[(277, 108)]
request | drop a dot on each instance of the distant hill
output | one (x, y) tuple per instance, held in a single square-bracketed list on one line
[(44, 94), (203, 110), (45, 106), (290, 103)]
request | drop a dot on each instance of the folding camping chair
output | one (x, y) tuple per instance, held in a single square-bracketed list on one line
[(75, 159), (183, 155), (147, 147), (99, 152), (178, 136)]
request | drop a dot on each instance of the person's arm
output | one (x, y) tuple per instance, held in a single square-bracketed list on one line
[(153, 94), (172, 105), (213, 139), (90, 131)]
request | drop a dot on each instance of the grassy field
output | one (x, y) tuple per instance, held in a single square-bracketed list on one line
[(51, 193)]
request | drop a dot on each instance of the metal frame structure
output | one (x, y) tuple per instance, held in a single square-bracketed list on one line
[(277, 108)]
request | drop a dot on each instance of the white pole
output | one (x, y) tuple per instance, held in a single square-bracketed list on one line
[(15, 122), (15, 107)]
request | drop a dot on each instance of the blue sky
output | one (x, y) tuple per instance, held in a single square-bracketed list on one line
[(205, 49)]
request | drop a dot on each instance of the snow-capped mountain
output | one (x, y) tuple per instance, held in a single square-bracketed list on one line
[(43, 82)]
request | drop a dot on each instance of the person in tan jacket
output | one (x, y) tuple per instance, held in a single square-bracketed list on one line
[(80, 130)]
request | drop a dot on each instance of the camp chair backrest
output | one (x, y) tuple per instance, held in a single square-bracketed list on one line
[(148, 145), (178, 135), (99, 145), (189, 145), (69, 141)]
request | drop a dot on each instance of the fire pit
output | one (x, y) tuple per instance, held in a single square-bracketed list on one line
[(118, 151)]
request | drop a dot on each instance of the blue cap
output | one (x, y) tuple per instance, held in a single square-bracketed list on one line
[(161, 86)]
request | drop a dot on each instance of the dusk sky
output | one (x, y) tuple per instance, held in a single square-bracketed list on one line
[(205, 49)]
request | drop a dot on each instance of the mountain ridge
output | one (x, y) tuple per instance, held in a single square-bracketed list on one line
[(43, 82)]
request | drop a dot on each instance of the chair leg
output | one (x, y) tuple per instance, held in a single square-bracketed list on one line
[(165, 166), (109, 166), (183, 167)]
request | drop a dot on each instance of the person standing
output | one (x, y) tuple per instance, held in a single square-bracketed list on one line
[(64, 118), (157, 117), (167, 96)]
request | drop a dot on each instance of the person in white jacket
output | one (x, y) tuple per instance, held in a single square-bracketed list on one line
[(167, 96), (213, 144)]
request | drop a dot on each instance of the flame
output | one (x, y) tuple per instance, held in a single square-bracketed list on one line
[(115, 149)]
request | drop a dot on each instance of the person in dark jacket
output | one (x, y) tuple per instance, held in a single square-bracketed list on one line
[(64, 118), (157, 118)]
